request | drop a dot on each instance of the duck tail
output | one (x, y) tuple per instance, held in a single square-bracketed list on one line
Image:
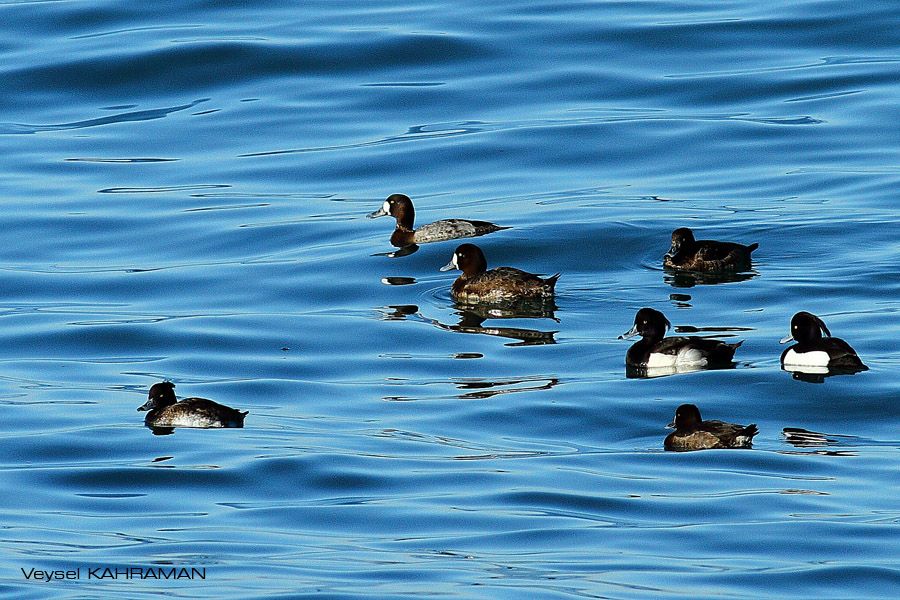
[(750, 431), (752, 247), (724, 353), (550, 282)]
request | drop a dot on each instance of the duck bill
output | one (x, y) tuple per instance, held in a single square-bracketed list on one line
[(786, 339), (453, 264), (630, 333), (377, 213), (148, 405)]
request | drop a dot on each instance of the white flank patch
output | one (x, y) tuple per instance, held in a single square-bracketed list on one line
[(817, 358), (685, 357)]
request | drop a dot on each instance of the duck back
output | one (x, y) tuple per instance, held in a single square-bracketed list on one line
[(677, 350), (196, 412), (712, 434), (830, 352), (503, 284), (712, 256)]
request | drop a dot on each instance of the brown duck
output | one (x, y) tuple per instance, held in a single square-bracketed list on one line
[(497, 286), (706, 256), (693, 433)]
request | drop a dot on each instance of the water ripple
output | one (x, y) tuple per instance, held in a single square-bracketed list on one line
[(126, 117)]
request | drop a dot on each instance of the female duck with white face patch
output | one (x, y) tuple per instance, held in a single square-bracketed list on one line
[(401, 208), (655, 351), (497, 286), (816, 354)]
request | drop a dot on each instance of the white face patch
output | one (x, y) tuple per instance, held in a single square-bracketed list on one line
[(454, 262), (386, 207)]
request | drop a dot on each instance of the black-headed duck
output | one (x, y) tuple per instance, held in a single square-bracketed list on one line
[(654, 350), (814, 352)]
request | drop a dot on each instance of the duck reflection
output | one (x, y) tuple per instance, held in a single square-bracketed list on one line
[(806, 439), (398, 280), (402, 251), (689, 279), (634, 372), (482, 389), (540, 309), (680, 300), (471, 320), (488, 388), (398, 312), (819, 374), (161, 430)]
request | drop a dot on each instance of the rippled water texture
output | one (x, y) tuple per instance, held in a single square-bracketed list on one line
[(185, 188)]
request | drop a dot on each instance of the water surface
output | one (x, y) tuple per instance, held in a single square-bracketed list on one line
[(185, 190)]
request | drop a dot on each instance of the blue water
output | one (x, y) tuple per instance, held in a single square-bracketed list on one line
[(185, 188)]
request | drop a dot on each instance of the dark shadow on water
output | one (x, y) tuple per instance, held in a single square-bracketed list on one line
[(689, 279)]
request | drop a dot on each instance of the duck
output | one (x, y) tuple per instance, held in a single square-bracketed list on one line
[(813, 352), (165, 410), (706, 256), (655, 350), (401, 208), (693, 433), (498, 286)]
